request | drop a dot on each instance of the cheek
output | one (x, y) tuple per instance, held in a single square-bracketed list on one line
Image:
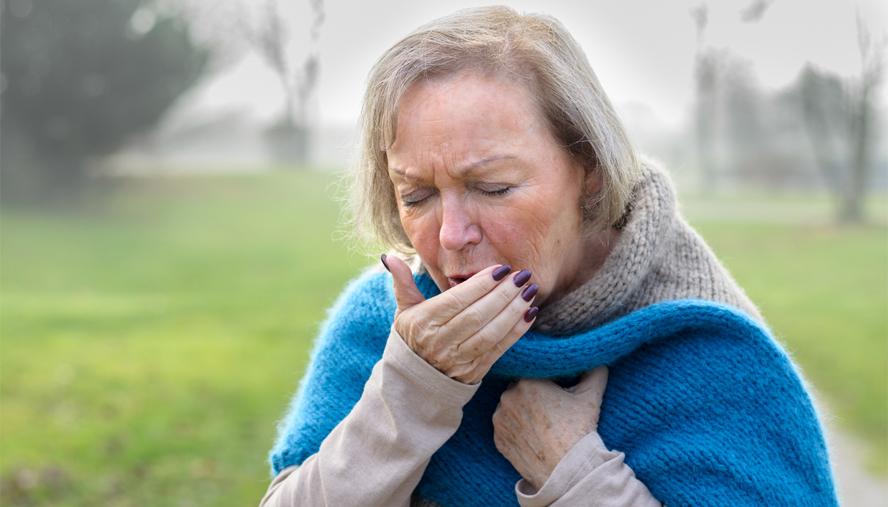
[(535, 232), (422, 229), (518, 236), (533, 220), (514, 226)]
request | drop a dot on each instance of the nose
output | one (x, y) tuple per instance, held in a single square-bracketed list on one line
[(459, 226)]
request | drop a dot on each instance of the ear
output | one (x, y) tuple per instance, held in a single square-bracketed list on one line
[(592, 184), (592, 179)]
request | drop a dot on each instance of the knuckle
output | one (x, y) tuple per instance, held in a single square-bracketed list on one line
[(415, 331), (526, 386), (455, 301), (482, 363), (472, 318), (524, 392), (470, 349), (507, 294), (485, 340), (455, 357)]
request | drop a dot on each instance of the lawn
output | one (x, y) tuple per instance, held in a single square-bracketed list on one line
[(149, 347), (150, 343)]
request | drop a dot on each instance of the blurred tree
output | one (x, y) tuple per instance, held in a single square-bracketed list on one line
[(839, 117), (78, 79), (755, 11), (289, 137), (706, 65), (725, 93), (821, 96), (752, 136), (863, 111)]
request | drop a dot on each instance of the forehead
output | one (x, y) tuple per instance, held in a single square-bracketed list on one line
[(466, 117), (469, 89)]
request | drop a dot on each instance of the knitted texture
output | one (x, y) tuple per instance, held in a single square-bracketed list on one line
[(658, 258), (706, 406)]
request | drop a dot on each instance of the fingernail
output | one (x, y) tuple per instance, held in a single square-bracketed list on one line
[(522, 277), (501, 272), (531, 314), (530, 292), (382, 258)]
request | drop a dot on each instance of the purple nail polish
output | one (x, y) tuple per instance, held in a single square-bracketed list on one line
[(522, 277), (382, 258), (531, 314), (530, 292), (501, 272)]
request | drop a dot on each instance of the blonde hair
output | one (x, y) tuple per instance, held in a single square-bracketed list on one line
[(532, 48)]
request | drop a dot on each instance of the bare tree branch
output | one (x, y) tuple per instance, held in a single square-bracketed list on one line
[(755, 11), (700, 15)]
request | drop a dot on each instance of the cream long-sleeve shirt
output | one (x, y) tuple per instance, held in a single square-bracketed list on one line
[(378, 453)]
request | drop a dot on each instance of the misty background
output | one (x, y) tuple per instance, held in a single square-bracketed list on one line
[(768, 94), (170, 235)]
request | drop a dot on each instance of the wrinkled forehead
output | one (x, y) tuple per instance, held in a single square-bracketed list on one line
[(511, 75)]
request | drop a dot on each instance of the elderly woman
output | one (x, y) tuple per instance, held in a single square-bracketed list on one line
[(543, 250)]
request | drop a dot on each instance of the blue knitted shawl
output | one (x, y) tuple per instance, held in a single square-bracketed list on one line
[(704, 403)]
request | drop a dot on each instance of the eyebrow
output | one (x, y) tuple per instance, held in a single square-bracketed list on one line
[(465, 171)]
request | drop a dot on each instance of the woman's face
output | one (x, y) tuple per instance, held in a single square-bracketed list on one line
[(480, 180)]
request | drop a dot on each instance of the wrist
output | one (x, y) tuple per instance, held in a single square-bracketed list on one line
[(586, 455)]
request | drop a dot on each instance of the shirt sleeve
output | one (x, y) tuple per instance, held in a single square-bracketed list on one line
[(378, 453), (589, 475)]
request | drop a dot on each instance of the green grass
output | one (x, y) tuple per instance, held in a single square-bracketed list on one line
[(785, 208), (149, 345), (148, 350)]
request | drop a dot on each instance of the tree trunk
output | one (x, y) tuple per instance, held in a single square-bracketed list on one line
[(855, 188), (705, 121)]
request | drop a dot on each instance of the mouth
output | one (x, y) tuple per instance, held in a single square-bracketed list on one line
[(458, 279)]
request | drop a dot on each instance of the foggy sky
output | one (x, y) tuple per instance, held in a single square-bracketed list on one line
[(642, 51)]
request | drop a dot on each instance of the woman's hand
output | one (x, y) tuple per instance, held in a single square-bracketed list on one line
[(537, 422), (464, 330)]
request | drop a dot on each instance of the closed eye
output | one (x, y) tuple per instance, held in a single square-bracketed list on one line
[(410, 204), (416, 198), (495, 192)]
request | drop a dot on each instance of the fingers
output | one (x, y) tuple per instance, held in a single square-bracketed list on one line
[(537, 423), (510, 299), (483, 351), (592, 385), (406, 292), (490, 308), (454, 301), (492, 339)]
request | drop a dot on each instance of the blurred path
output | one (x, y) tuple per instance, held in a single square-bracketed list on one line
[(857, 486)]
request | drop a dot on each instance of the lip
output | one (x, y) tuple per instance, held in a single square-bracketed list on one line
[(458, 279)]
